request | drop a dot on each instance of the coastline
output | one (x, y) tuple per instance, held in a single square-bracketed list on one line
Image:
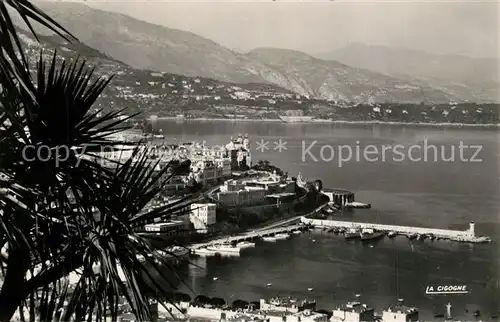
[(325, 121)]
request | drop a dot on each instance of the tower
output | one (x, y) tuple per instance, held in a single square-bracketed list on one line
[(472, 228), (246, 142), (448, 310)]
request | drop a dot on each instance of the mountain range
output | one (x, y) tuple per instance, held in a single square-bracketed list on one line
[(350, 74)]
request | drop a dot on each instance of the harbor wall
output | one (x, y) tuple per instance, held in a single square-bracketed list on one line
[(399, 229)]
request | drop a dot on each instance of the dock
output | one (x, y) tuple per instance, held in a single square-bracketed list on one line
[(466, 236), (287, 226), (250, 236)]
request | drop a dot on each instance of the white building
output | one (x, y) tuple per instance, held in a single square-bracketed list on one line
[(286, 304), (203, 215), (353, 312), (400, 313)]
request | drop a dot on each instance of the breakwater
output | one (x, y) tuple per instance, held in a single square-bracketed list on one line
[(467, 236)]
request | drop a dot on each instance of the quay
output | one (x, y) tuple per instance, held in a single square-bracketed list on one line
[(250, 236), (286, 226), (467, 236)]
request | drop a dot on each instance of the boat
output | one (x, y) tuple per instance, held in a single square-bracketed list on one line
[(203, 252), (431, 237), (225, 249), (352, 234), (477, 313), (370, 234), (271, 239), (281, 236), (412, 236), (245, 244), (391, 234), (329, 210), (295, 119), (176, 251), (296, 232)]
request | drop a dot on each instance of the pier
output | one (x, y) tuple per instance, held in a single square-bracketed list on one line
[(250, 236), (467, 236), (285, 226)]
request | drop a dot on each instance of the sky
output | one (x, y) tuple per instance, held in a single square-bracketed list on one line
[(318, 26)]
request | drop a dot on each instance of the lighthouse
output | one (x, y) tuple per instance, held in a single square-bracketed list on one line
[(472, 228)]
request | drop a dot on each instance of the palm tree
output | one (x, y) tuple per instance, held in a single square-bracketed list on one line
[(68, 214)]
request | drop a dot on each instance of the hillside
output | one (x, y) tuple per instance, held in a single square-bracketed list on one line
[(473, 79), (147, 46), (332, 80), (166, 94)]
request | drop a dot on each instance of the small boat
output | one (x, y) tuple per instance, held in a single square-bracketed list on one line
[(352, 234), (225, 249), (371, 246), (432, 237), (391, 234), (270, 239), (215, 278), (282, 236), (310, 289), (203, 252), (370, 235), (477, 313), (412, 236), (269, 284), (245, 244), (296, 232)]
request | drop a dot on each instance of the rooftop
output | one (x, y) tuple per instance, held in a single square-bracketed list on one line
[(399, 308), (354, 307)]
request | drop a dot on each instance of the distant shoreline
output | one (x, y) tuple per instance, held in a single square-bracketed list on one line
[(323, 121)]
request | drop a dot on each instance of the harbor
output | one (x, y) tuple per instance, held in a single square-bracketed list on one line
[(352, 230), (465, 236)]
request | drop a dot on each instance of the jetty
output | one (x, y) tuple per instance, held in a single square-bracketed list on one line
[(287, 226), (250, 236), (466, 236)]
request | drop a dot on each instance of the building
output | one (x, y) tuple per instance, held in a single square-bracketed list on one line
[(353, 312), (247, 196), (169, 228), (339, 197), (307, 316), (238, 151), (400, 313), (287, 304), (224, 166), (256, 192), (202, 216)]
